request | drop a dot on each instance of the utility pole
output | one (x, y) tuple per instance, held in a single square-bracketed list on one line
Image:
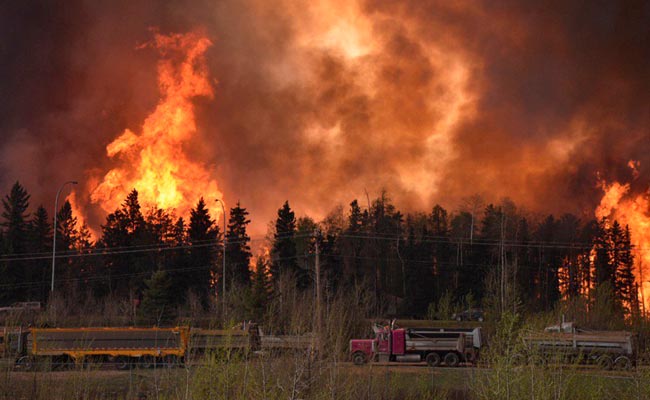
[(318, 299), (223, 273), (318, 337)]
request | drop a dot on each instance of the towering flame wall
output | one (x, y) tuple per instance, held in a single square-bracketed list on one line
[(154, 162)]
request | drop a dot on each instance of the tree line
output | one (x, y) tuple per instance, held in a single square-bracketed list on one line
[(491, 255)]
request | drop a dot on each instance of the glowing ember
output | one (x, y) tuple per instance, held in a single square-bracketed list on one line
[(632, 210), (154, 162)]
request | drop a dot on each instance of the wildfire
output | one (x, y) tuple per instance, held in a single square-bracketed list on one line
[(154, 161), (632, 210)]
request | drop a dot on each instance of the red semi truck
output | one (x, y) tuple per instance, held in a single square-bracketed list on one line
[(436, 346)]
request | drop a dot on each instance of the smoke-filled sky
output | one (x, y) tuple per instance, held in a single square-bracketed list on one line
[(319, 101)]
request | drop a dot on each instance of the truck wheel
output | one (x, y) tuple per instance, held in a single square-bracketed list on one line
[(433, 359), (122, 363), (145, 362), (359, 358), (25, 363), (63, 363), (622, 363), (452, 359), (605, 362)]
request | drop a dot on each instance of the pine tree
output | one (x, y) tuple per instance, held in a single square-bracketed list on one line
[(420, 278), (259, 292), (569, 271), (15, 216), (283, 253), (625, 281), (385, 222), (158, 231), (132, 214), (461, 235), (66, 229), (178, 262), (238, 251), (588, 234), (547, 261), (356, 218), (67, 238), (40, 239), (205, 241), (125, 227), (157, 303), (352, 245), (441, 250), (15, 241), (603, 261), (305, 252)]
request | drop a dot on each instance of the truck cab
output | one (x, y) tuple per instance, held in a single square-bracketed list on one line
[(364, 350)]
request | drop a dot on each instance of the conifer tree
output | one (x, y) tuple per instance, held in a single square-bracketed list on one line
[(259, 292), (66, 229), (40, 239), (69, 241), (602, 262), (441, 249), (15, 241), (305, 252), (124, 228), (205, 244), (352, 245), (548, 262), (283, 253), (178, 261), (385, 222), (238, 251), (157, 303), (625, 281)]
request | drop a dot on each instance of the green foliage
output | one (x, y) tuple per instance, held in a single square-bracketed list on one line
[(157, 303)]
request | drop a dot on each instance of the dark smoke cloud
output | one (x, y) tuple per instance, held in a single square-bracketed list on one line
[(557, 92)]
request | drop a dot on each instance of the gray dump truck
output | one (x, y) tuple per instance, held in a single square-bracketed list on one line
[(567, 343)]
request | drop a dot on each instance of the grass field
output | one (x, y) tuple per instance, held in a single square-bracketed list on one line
[(297, 378)]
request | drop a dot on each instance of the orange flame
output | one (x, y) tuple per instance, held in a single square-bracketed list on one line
[(78, 212), (632, 210), (154, 162)]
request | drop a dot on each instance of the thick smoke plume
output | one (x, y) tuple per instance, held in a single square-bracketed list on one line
[(317, 102)]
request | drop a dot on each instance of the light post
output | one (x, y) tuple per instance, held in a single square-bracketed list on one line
[(56, 207), (223, 273)]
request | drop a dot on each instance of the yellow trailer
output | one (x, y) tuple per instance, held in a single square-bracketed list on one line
[(122, 346)]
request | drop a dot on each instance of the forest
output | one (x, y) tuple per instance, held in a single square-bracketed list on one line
[(416, 265)]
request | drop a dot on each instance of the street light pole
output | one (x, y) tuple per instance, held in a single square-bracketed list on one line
[(56, 207), (223, 273)]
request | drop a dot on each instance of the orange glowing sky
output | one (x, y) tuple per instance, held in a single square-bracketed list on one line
[(320, 102)]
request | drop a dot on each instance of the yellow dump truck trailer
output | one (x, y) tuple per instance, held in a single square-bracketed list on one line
[(122, 346)]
